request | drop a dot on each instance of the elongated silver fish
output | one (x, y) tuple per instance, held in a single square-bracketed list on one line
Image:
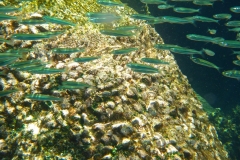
[(42, 97)]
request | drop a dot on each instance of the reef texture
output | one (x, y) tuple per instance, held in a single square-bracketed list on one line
[(124, 115)]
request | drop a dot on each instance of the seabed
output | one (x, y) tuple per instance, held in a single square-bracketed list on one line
[(124, 115)]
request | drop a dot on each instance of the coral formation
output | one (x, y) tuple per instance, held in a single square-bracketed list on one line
[(124, 115)]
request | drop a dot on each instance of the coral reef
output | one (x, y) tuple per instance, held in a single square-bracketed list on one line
[(124, 115)]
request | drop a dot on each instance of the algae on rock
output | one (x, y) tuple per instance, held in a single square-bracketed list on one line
[(124, 115)]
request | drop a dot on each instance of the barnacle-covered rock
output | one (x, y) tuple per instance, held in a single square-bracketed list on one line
[(122, 114)]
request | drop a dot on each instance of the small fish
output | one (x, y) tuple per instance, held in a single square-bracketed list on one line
[(154, 61), (6, 61), (85, 59), (23, 36), (233, 24), (117, 33), (232, 74), (10, 54), (235, 9), (7, 9), (58, 21), (222, 16), (154, 1), (46, 71), (229, 44), (238, 57), (165, 46), (212, 31), (124, 51), (196, 37), (73, 85), (99, 17), (185, 51), (204, 62), (203, 2), (109, 3), (143, 17), (235, 29), (67, 50), (208, 52), (185, 10), (7, 92), (42, 97), (236, 52), (142, 68), (165, 6), (24, 63), (177, 20), (204, 19), (7, 17), (236, 62)]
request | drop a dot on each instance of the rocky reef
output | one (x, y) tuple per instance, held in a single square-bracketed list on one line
[(124, 115)]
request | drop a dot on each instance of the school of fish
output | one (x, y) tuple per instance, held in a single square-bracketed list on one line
[(13, 59)]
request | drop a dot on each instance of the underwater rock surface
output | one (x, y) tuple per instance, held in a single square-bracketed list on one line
[(124, 115)]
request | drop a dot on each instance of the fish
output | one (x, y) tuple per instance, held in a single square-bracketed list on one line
[(233, 24), (177, 20), (197, 37), (7, 60), (67, 50), (212, 31), (124, 51), (24, 63), (185, 10), (204, 19), (208, 52), (3, 40), (46, 71), (10, 55), (137, 67), (85, 59), (165, 6), (229, 44), (204, 63), (147, 71), (237, 29), (42, 97), (143, 17), (99, 17), (222, 16), (117, 33), (7, 9), (154, 61), (73, 85), (154, 1), (165, 46), (236, 52), (202, 2), (181, 50), (238, 57), (232, 74), (235, 9), (23, 36), (109, 3), (57, 21), (7, 92), (7, 17), (236, 62), (32, 22)]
